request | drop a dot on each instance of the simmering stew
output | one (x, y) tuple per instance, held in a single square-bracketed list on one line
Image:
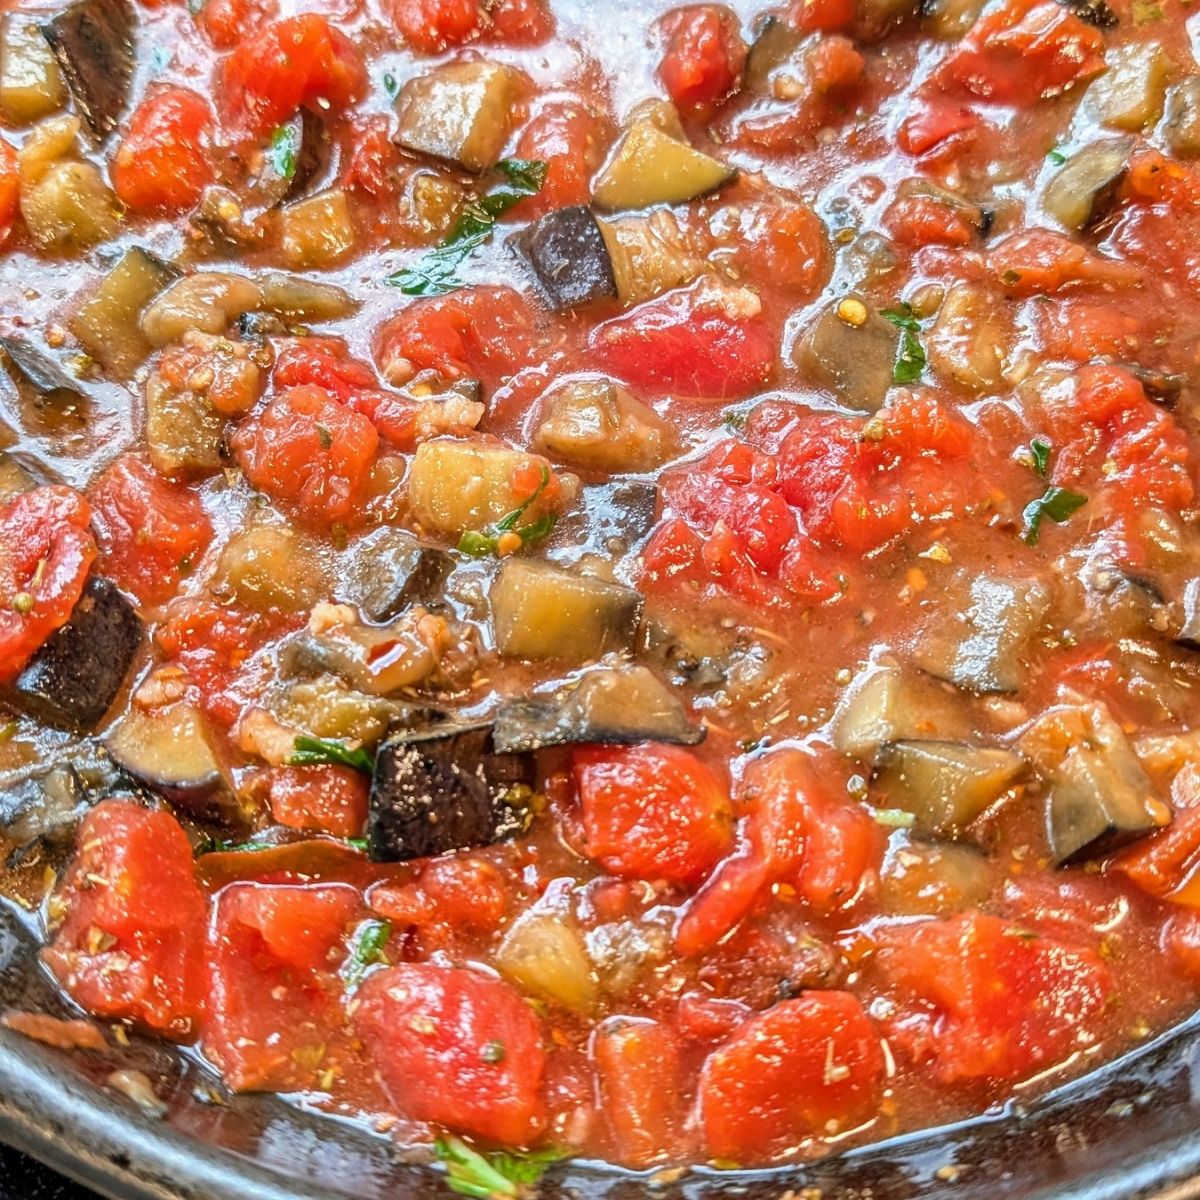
[(607, 579)]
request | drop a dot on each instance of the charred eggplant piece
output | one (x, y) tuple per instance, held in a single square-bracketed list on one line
[(892, 703), (443, 790), (93, 41), (45, 806), (945, 785), (569, 257), (39, 370), (543, 612), (1094, 12), (108, 325), (621, 705), (1085, 189), (17, 475), (1097, 796), (74, 678), (168, 750), (983, 651), (389, 570)]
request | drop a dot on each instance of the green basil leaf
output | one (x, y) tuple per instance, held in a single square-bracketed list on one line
[(312, 751), (1056, 503), (370, 941), (502, 1173), (1040, 449), (284, 151)]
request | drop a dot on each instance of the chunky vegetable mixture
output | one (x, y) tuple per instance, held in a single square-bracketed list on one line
[(614, 579)]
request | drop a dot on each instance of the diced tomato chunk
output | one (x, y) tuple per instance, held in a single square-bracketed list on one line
[(274, 953), (323, 799), (570, 139), (638, 1065), (928, 221), (983, 999), (46, 551), (291, 64), (10, 190), (430, 26), (310, 451), (456, 1048), (1083, 329), (936, 124), (804, 1067), (834, 65), (163, 163), (373, 158), (820, 15), (1037, 261), (782, 242), (1021, 51), (860, 493), (150, 531), (132, 944), (228, 21), (521, 22), (485, 333), (462, 893), (652, 811), (695, 342), (703, 56), (1166, 863)]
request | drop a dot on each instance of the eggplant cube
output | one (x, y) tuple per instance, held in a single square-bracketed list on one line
[(945, 785), (93, 42), (615, 705), (389, 570), (459, 112), (984, 651), (569, 257), (168, 750), (1097, 796), (74, 678), (543, 612), (856, 362), (443, 790)]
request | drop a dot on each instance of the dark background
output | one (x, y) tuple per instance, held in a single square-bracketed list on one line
[(23, 1179)]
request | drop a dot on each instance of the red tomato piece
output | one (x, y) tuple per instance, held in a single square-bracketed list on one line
[(1022, 51), (790, 1073), (373, 158), (163, 163), (326, 362), (1038, 262), (150, 531), (1180, 942), (859, 493), (430, 26), (637, 1062), (228, 21), (322, 799), (521, 22), (834, 65), (811, 15), (46, 551), (796, 832), (784, 243), (652, 811), (10, 190), (570, 139), (1160, 238), (456, 1048), (703, 55), (1083, 330), (484, 333), (928, 221), (984, 999), (694, 342), (462, 892), (274, 953), (1165, 863), (298, 62), (935, 124), (132, 944), (310, 451)]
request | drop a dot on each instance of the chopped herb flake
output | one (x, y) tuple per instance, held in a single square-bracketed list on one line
[(480, 543), (503, 1173), (1057, 157), (910, 358), (493, 1053), (368, 946), (436, 273), (894, 818), (1056, 503), (1039, 450), (284, 150), (313, 751)]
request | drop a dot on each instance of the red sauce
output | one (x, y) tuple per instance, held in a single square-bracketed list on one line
[(868, 427)]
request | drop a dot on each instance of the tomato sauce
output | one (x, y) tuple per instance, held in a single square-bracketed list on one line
[(614, 583)]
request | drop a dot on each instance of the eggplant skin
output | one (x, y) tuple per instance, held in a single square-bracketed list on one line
[(93, 41), (442, 790), (74, 678), (569, 258)]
